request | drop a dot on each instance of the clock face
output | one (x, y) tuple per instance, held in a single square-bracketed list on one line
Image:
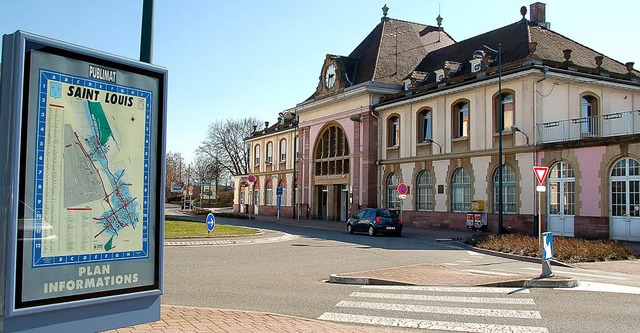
[(330, 76)]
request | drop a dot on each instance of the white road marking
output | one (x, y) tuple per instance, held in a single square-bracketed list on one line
[(488, 272), (430, 324), (605, 287), (471, 253), (451, 264), (452, 289), (526, 314), (488, 300), (464, 261), (580, 274), (283, 238)]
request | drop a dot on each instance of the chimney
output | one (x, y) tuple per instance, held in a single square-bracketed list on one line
[(266, 125), (537, 14)]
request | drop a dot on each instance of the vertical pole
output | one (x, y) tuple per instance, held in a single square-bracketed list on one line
[(540, 221), (146, 38), (500, 126)]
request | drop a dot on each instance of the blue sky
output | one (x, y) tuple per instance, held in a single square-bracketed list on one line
[(255, 58)]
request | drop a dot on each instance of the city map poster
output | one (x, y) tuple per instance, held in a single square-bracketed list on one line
[(89, 225)]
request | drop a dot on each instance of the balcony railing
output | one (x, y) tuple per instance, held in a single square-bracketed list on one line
[(607, 125)]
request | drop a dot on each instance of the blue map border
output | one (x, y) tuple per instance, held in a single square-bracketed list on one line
[(45, 75)]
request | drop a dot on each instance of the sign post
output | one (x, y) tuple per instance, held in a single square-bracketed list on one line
[(541, 175), (252, 180), (279, 194), (403, 189)]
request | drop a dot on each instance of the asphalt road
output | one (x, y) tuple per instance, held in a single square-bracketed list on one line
[(288, 278)]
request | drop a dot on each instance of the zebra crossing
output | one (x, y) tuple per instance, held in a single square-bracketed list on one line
[(460, 309)]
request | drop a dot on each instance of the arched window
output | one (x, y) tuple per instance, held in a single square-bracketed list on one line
[(283, 150), (508, 190), (269, 157), (589, 112), (460, 191), (331, 153), (268, 193), (392, 191), (508, 107), (424, 125), (461, 120), (393, 131), (256, 155), (424, 195), (625, 188)]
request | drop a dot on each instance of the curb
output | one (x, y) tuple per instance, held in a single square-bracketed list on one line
[(362, 280), (513, 256), (537, 282)]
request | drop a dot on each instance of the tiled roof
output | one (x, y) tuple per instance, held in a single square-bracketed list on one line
[(391, 51), (515, 39), (551, 44)]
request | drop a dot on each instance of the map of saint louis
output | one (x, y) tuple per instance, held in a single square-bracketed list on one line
[(93, 206)]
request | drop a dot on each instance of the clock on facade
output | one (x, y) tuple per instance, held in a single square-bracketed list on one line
[(330, 76)]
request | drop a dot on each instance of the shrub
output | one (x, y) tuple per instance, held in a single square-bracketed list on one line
[(569, 250)]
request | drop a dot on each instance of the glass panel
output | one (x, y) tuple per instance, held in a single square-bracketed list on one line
[(569, 198), (463, 120), (392, 191), (634, 167), (618, 198), (425, 126), (634, 198), (554, 197)]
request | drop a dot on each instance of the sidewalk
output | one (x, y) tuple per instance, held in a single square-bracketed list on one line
[(191, 319)]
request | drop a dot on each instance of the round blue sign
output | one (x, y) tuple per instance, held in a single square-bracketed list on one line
[(211, 222)]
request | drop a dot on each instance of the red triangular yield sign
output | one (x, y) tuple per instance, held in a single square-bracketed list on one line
[(541, 173)]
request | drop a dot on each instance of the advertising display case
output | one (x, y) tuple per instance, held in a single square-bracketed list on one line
[(83, 136)]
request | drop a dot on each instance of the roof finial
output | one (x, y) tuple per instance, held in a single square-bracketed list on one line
[(523, 11), (385, 10), (439, 18)]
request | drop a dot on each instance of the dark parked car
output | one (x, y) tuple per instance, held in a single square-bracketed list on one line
[(374, 221)]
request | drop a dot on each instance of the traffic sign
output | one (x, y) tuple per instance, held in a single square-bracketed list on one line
[(251, 178), (211, 222), (403, 189), (541, 173), (402, 196), (279, 191)]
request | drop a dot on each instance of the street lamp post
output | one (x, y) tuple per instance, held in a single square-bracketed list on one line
[(500, 126)]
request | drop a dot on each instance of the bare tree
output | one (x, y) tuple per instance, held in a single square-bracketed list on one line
[(174, 169), (207, 170), (225, 143)]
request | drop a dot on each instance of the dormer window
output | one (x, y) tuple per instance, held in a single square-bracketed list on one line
[(476, 65), (439, 75), (407, 85)]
